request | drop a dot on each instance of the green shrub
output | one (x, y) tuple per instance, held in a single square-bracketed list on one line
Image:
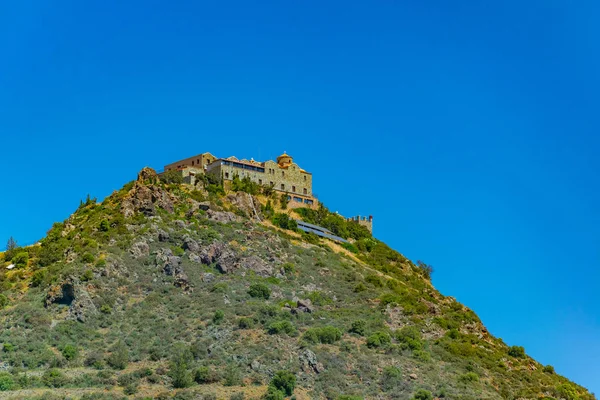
[(39, 277), (516, 351), (284, 221), (104, 226), (233, 376), (53, 378), (326, 335), (237, 396), (3, 301), (131, 389), (172, 176), (259, 290), (390, 377), (359, 288), (204, 375), (359, 327), (284, 381), (374, 280), (21, 259), (88, 275), (218, 317), (88, 258), (378, 339), (288, 268), (348, 397), (245, 323), (469, 377), (410, 336), (549, 369), (273, 394), (422, 355), (245, 185), (279, 327), (423, 394), (70, 352), (6, 382), (283, 201), (119, 356), (319, 299), (179, 367)]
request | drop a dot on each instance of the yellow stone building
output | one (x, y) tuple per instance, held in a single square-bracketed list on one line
[(284, 175)]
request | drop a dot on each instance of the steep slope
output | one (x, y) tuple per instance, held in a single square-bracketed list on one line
[(168, 291)]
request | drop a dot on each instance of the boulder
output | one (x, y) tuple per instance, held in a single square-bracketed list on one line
[(163, 236), (309, 363), (222, 255), (247, 203), (139, 249), (305, 305), (223, 217), (190, 244), (71, 293), (257, 265), (171, 266), (145, 196)]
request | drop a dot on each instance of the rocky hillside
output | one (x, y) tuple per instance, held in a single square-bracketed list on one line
[(169, 291)]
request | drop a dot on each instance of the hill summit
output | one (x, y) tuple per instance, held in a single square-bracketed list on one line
[(208, 290)]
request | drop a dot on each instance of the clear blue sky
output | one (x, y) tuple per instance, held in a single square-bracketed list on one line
[(469, 129)]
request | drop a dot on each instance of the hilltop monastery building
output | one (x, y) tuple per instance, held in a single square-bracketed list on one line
[(284, 175)]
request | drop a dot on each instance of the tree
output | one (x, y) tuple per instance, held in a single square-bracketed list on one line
[(70, 352), (3, 301), (21, 259), (260, 290), (283, 200), (11, 246), (284, 381), (516, 351), (179, 367), (426, 269), (423, 394), (119, 358)]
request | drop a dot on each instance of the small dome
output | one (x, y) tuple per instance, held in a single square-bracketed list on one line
[(284, 159)]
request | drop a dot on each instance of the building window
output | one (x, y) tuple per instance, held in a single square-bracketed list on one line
[(304, 178), (226, 175), (260, 181), (192, 163), (305, 191), (282, 173), (294, 189), (282, 186)]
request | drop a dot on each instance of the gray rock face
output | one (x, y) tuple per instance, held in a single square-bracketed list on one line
[(305, 305), (247, 203), (171, 266), (221, 216), (190, 244), (163, 236), (71, 293), (145, 196), (227, 261), (222, 255), (257, 265), (139, 249), (309, 363)]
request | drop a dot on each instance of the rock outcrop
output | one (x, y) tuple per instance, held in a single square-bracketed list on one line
[(171, 266), (71, 293), (145, 196)]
